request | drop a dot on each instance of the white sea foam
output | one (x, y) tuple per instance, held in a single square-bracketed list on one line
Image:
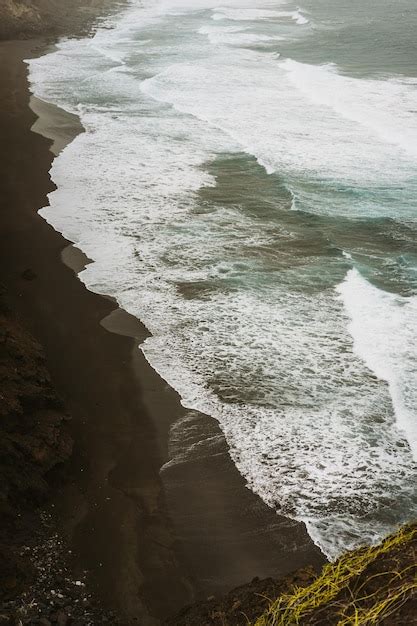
[(333, 146), (384, 107), (383, 326), (254, 14), (236, 36), (300, 18), (243, 326), (245, 14)]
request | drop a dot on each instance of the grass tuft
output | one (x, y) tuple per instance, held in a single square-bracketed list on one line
[(352, 599)]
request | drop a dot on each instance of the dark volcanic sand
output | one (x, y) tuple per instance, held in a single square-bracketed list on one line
[(153, 541)]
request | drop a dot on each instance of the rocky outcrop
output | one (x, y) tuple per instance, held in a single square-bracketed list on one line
[(29, 18), (243, 605), (34, 444), (21, 16)]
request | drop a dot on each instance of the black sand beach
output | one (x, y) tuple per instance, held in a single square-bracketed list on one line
[(151, 541)]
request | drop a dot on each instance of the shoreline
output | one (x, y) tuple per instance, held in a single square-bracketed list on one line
[(152, 541)]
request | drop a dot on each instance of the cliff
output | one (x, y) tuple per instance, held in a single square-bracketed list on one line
[(30, 18), (34, 443)]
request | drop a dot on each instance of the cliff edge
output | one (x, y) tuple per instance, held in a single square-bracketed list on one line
[(34, 443), (30, 18)]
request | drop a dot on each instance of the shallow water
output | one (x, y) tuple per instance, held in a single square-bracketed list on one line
[(247, 187)]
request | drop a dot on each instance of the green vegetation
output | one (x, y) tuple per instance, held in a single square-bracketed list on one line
[(366, 586)]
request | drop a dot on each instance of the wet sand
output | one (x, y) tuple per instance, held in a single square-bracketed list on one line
[(154, 535)]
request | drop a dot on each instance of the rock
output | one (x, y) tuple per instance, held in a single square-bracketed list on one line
[(11, 582), (28, 274), (73, 593), (61, 618)]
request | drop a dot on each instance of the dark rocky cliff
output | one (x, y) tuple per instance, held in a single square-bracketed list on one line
[(33, 444), (29, 18), (25, 17)]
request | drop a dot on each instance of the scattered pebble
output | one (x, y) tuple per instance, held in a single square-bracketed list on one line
[(56, 597)]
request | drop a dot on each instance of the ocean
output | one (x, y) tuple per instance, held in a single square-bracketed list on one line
[(247, 187)]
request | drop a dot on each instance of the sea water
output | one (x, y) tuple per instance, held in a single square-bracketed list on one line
[(247, 187)]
